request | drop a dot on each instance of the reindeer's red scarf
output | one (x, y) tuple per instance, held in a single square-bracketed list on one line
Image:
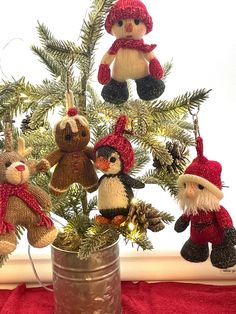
[(21, 191), (130, 44)]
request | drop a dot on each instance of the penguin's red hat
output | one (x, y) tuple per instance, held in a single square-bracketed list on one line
[(120, 143), (203, 171)]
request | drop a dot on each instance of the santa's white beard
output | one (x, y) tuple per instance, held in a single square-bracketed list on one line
[(203, 200)]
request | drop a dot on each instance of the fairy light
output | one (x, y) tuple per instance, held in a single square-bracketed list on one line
[(134, 201), (131, 226)]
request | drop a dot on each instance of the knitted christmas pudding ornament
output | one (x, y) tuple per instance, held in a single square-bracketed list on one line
[(115, 158), (73, 159), (22, 203), (129, 21), (199, 196)]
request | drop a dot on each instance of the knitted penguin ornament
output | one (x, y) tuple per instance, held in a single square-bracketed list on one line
[(73, 159), (115, 158), (129, 21), (22, 203), (199, 196)]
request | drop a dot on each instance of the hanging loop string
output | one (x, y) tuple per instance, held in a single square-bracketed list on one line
[(196, 128)]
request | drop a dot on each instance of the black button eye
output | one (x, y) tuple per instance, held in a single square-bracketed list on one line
[(120, 23), (184, 185), (137, 21), (68, 137), (83, 133), (201, 187), (7, 164), (113, 159)]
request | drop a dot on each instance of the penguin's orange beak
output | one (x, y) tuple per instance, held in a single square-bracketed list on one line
[(102, 164)]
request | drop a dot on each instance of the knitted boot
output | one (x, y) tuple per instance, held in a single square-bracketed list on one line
[(115, 92), (193, 252), (223, 256), (41, 236), (149, 88)]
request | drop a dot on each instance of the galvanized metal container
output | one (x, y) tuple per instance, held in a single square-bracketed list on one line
[(89, 286)]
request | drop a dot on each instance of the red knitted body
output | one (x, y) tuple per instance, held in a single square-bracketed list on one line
[(130, 44), (7, 190), (212, 232), (128, 9)]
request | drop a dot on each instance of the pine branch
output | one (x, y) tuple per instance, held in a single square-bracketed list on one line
[(167, 181), (63, 49), (44, 33), (97, 237), (167, 110), (152, 145), (141, 160), (50, 62), (91, 32), (167, 69)]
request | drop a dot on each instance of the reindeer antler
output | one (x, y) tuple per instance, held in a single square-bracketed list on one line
[(21, 150)]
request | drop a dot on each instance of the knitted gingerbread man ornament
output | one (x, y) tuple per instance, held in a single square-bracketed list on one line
[(199, 196), (115, 158), (22, 203), (73, 159), (129, 21)]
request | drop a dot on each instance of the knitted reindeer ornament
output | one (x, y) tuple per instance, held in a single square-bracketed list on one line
[(199, 196), (73, 159), (115, 158), (22, 203), (129, 21)]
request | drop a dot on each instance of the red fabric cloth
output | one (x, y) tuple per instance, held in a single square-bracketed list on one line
[(140, 298)]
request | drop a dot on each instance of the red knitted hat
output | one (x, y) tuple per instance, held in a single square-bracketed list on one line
[(121, 144), (203, 171), (128, 9)]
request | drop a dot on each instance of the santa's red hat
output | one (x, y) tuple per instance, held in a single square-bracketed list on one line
[(203, 171), (120, 143), (128, 9)]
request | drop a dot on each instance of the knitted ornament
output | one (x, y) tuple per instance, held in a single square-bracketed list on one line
[(73, 159), (199, 196), (115, 158), (129, 21), (22, 203)]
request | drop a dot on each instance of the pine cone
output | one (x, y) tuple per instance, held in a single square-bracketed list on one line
[(179, 155), (145, 216)]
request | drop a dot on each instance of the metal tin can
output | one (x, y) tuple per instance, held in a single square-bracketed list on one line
[(89, 286)]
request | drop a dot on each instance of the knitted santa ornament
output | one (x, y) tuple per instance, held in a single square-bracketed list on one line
[(22, 203), (115, 158), (129, 21), (199, 195), (73, 159)]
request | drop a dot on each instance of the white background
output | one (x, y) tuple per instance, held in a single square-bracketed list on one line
[(200, 38)]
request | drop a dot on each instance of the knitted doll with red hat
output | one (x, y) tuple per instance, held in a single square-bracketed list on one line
[(129, 21), (73, 159), (22, 203), (199, 196), (115, 158)]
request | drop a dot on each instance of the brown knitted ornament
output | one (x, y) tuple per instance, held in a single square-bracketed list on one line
[(22, 203), (73, 159)]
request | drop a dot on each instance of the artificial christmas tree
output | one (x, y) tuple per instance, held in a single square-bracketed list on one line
[(152, 123)]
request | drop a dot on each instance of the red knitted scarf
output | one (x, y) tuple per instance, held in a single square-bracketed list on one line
[(137, 44), (21, 191)]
